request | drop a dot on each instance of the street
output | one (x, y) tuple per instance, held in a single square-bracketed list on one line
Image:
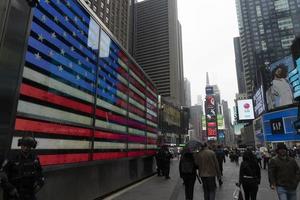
[(160, 189)]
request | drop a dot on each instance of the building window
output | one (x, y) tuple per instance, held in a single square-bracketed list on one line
[(94, 8), (285, 23), (287, 41), (106, 19), (261, 28), (88, 2), (107, 10), (258, 11), (263, 45), (101, 14), (281, 5), (102, 4), (107, 1)]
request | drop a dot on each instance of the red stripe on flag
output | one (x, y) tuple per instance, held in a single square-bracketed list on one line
[(63, 158), (28, 90), (44, 127), (109, 156)]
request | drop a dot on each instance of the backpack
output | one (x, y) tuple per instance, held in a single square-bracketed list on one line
[(187, 165)]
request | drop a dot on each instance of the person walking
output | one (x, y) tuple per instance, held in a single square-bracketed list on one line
[(258, 157), (208, 169), (284, 174), (250, 175), (266, 157), (22, 175), (158, 158), (220, 154), (187, 171), (165, 159)]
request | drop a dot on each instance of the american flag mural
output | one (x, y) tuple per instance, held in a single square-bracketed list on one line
[(82, 97)]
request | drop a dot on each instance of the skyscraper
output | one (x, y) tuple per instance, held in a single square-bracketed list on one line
[(115, 15), (187, 93), (158, 48), (239, 65), (267, 29)]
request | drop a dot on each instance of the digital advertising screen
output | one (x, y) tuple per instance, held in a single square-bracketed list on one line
[(259, 102), (245, 109), (280, 92), (211, 117)]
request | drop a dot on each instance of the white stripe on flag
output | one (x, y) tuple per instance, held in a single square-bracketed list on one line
[(137, 78), (109, 145), (137, 90), (43, 111), (54, 84), (136, 131), (136, 117), (108, 125), (46, 143), (136, 146), (151, 135)]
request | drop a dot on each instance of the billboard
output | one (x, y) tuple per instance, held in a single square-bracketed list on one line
[(279, 125), (258, 132), (280, 92), (245, 109), (220, 120), (259, 102), (211, 117), (209, 90)]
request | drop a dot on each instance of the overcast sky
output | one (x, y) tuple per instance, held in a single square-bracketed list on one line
[(208, 28)]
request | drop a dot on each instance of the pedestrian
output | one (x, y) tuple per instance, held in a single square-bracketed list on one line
[(22, 174), (220, 154), (266, 157), (187, 171), (208, 170), (158, 158), (284, 174), (250, 175), (258, 157), (166, 159)]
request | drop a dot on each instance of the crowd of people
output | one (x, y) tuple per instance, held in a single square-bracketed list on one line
[(206, 165)]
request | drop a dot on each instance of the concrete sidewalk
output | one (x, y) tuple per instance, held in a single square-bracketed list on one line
[(158, 188)]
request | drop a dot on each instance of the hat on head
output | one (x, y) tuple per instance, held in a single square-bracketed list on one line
[(281, 146)]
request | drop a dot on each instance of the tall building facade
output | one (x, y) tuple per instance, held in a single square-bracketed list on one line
[(267, 29), (115, 14), (239, 65), (187, 93), (158, 48)]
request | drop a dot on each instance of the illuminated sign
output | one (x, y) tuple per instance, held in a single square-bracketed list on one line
[(258, 101), (245, 109)]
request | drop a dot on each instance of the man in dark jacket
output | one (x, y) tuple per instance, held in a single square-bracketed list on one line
[(284, 174), (208, 169), (165, 159), (22, 173), (220, 157)]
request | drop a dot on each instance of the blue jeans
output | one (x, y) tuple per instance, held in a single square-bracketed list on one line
[(285, 194)]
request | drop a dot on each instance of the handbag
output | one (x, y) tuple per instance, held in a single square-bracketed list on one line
[(237, 194)]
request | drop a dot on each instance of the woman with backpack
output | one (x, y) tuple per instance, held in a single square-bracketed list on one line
[(249, 175), (187, 170)]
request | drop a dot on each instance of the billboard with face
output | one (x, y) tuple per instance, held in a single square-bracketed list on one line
[(280, 92)]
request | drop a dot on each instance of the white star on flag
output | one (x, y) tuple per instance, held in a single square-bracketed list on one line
[(64, 34), (92, 84), (53, 35), (80, 47), (79, 63), (55, 19), (87, 59), (58, 1), (66, 18), (62, 51), (82, 33), (41, 38), (72, 48), (37, 56), (71, 65), (44, 18), (68, 4), (74, 34), (60, 68), (94, 57), (85, 74), (47, 1), (51, 53), (76, 19), (77, 77)]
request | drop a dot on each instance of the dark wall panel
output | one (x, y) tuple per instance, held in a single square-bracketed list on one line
[(90, 182)]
